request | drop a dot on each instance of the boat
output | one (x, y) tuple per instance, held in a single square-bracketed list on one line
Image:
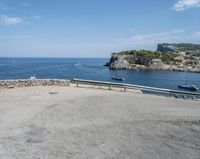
[(32, 78), (188, 87), (117, 77)]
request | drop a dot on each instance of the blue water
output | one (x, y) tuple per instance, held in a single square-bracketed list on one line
[(89, 68)]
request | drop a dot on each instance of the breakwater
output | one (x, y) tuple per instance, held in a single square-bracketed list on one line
[(35, 82)]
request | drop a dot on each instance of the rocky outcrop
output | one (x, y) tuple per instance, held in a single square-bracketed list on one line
[(142, 60), (125, 60), (118, 62), (36, 82), (166, 47)]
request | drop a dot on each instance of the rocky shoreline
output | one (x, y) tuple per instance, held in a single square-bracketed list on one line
[(143, 67)]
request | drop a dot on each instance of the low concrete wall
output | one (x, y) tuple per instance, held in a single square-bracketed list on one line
[(36, 82)]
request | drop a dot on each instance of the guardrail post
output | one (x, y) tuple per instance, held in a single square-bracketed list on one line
[(68, 83), (176, 96), (110, 87), (124, 89), (76, 84)]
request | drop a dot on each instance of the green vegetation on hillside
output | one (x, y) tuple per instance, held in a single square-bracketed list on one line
[(186, 46), (173, 47), (146, 56)]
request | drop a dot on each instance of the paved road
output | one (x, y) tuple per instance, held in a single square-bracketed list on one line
[(80, 123)]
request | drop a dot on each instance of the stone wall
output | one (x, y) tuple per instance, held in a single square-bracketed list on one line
[(36, 82)]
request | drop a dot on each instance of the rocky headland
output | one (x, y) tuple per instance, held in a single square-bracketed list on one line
[(169, 57)]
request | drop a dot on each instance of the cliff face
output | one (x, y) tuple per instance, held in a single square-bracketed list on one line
[(173, 47), (118, 61), (130, 59), (166, 48), (127, 60)]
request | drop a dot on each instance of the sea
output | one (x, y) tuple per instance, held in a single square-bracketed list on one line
[(90, 68)]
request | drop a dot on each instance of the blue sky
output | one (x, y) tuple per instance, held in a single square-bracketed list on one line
[(94, 28)]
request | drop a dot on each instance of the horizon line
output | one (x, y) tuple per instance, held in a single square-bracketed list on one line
[(51, 57)]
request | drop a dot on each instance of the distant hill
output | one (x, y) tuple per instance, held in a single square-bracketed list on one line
[(173, 47), (176, 57)]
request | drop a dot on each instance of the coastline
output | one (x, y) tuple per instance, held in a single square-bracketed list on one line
[(151, 68)]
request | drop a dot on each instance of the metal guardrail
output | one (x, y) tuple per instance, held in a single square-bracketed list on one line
[(126, 86)]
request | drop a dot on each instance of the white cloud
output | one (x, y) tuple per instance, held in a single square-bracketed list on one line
[(186, 4), (48, 47), (197, 33), (152, 39), (6, 20), (138, 41), (37, 17)]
